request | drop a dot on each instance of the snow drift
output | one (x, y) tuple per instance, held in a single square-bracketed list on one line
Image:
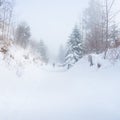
[(29, 91)]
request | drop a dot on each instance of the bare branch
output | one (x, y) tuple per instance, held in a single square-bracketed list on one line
[(114, 15), (112, 3)]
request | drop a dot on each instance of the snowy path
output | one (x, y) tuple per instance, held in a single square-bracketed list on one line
[(78, 94)]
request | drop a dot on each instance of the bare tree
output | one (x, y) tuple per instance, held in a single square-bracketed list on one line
[(109, 17), (94, 26), (6, 10), (98, 19)]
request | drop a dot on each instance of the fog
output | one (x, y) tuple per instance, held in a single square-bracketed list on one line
[(50, 20), (81, 81)]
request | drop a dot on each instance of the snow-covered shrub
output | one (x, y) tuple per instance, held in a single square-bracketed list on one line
[(113, 54)]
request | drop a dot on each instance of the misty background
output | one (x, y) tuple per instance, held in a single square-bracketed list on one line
[(51, 21), (42, 80)]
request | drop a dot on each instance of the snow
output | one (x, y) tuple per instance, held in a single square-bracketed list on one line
[(29, 91)]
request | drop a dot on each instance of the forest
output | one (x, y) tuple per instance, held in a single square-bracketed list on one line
[(80, 82)]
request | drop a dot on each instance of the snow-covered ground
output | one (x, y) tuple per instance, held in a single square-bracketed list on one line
[(29, 91)]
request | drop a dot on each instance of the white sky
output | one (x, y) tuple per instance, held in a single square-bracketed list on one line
[(50, 20)]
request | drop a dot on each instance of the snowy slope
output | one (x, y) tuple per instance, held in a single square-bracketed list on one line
[(29, 91)]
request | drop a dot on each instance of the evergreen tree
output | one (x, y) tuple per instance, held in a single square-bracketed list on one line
[(74, 48), (43, 51), (61, 55), (22, 35)]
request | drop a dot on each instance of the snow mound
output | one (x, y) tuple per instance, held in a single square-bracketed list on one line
[(48, 93)]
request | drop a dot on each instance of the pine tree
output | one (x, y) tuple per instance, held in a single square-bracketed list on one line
[(22, 35), (74, 48), (42, 50), (61, 55)]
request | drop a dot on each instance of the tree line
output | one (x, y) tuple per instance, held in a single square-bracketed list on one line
[(18, 34), (97, 32)]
